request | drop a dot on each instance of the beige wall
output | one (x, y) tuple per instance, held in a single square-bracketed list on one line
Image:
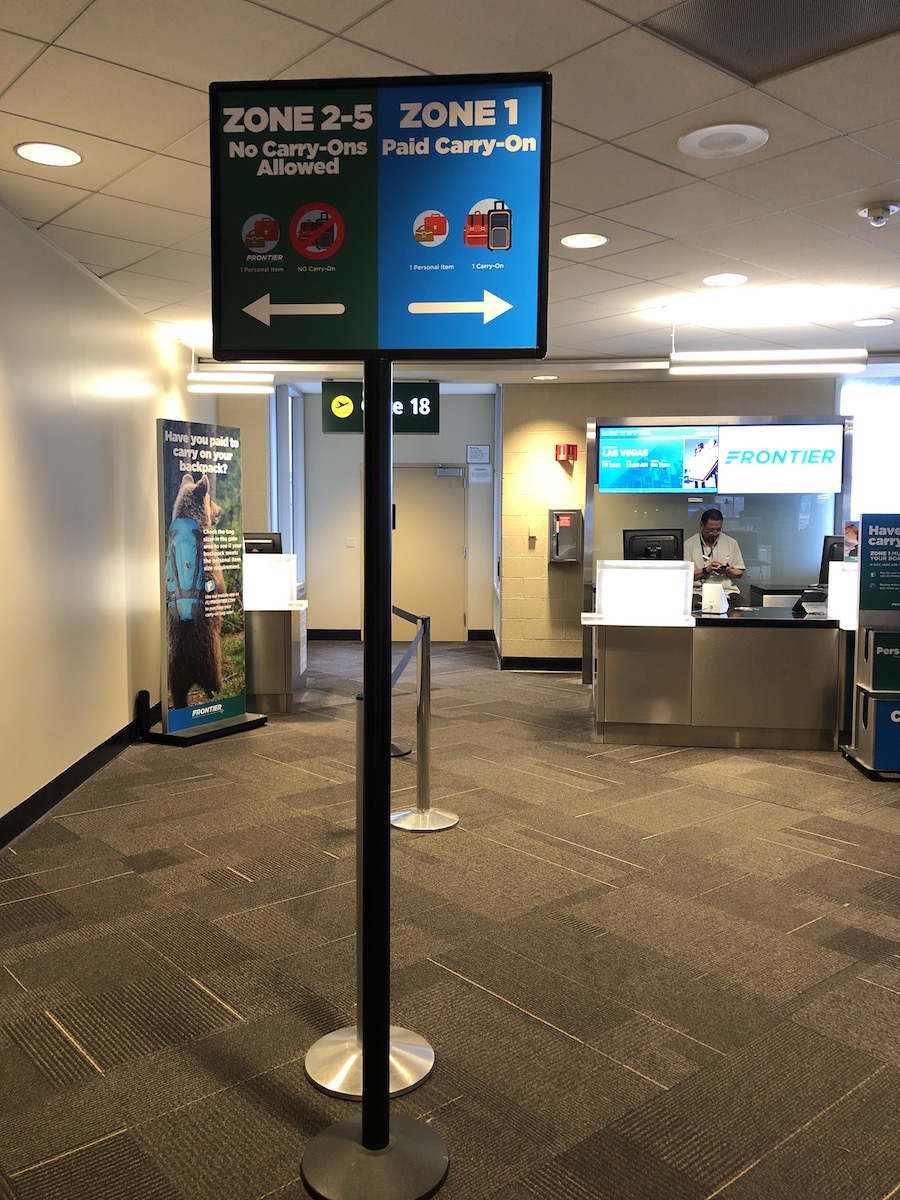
[(83, 378), (540, 603)]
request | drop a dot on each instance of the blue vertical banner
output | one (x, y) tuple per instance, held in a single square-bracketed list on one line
[(403, 217), (201, 552)]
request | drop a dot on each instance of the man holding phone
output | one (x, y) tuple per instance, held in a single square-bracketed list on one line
[(716, 556)]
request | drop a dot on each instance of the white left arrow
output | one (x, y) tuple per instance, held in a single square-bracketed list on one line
[(491, 306), (263, 310)]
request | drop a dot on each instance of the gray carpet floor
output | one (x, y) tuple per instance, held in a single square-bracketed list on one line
[(647, 973)]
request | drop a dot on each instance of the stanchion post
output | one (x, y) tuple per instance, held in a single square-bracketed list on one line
[(373, 1155)]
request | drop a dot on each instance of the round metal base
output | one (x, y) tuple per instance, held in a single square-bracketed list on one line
[(400, 749), (427, 819), (413, 1166), (334, 1062)]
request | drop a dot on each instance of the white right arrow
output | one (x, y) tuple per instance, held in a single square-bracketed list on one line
[(491, 306), (263, 310)]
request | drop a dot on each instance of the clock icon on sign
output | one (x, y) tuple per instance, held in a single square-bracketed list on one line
[(342, 406)]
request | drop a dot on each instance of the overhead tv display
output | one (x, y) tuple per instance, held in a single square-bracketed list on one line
[(657, 458), (781, 459)]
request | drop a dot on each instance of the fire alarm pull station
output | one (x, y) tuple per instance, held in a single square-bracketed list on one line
[(566, 535)]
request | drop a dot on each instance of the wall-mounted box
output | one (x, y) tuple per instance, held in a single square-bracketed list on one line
[(566, 535)]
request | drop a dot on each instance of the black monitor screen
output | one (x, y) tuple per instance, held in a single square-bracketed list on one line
[(262, 543), (662, 544), (832, 551)]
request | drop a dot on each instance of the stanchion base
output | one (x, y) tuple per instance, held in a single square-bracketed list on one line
[(334, 1062), (400, 749), (413, 1166), (427, 819)]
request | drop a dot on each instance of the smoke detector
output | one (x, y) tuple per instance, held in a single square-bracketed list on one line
[(879, 214)]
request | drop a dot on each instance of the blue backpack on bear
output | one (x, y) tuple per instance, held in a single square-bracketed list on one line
[(186, 584)]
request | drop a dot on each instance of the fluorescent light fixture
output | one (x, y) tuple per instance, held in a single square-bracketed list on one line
[(782, 306), (543, 378), (236, 389), (873, 322), (48, 154), (219, 377), (725, 279), (768, 362), (583, 241)]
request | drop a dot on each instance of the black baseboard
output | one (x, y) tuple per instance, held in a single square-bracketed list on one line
[(480, 635), (508, 663), (24, 815), (334, 635)]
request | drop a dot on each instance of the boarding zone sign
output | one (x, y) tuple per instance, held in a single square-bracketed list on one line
[(400, 217), (879, 562)]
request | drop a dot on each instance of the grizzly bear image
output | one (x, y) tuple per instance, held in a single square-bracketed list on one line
[(195, 647)]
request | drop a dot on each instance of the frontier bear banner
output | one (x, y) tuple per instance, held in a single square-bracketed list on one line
[(201, 545)]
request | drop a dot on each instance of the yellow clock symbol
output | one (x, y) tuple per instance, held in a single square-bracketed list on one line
[(342, 406)]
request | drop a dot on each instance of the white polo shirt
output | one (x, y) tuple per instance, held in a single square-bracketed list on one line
[(725, 549)]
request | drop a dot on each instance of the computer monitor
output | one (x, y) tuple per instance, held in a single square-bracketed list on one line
[(662, 544), (262, 543), (832, 551)]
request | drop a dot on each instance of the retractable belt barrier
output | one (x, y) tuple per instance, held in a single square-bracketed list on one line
[(423, 817)]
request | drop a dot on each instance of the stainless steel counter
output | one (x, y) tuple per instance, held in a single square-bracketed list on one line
[(750, 678)]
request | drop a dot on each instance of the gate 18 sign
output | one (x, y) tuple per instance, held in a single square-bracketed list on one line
[(397, 216)]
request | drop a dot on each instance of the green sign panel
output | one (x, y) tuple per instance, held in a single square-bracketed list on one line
[(416, 407), (403, 217), (885, 650)]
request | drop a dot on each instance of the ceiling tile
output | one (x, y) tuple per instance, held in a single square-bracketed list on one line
[(184, 313), (341, 59), (689, 209), (840, 213), (37, 200), (176, 264), (193, 147), (106, 100), (605, 177), (169, 38), (839, 90), (564, 142), (788, 130), (883, 138), (520, 35), (120, 218), (595, 90), (663, 259), (15, 55), (165, 182), (95, 247), (813, 173), (149, 287), (752, 239), (583, 280), (335, 16), (44, 21)]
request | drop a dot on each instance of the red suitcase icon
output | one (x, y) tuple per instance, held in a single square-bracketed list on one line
[(475, 231)]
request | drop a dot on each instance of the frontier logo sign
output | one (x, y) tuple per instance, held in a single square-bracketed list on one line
[(781, 459)]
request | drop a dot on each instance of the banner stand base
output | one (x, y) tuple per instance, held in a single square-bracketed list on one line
[(204, 733)]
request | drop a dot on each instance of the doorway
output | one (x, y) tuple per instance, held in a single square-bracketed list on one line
[(429, 551)]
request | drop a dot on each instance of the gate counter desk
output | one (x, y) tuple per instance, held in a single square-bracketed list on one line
[(753, 677)]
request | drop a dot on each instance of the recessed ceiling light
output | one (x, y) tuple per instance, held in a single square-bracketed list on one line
[(583, 241), (543, 378), (725, 279), (48, 154), (873, 322), (723, 141)]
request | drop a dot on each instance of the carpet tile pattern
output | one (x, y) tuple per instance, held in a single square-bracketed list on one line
[(648, 973)]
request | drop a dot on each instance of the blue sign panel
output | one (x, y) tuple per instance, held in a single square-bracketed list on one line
[(406, 217)]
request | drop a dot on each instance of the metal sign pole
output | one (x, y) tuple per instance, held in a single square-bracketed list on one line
[(376, 1155)]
